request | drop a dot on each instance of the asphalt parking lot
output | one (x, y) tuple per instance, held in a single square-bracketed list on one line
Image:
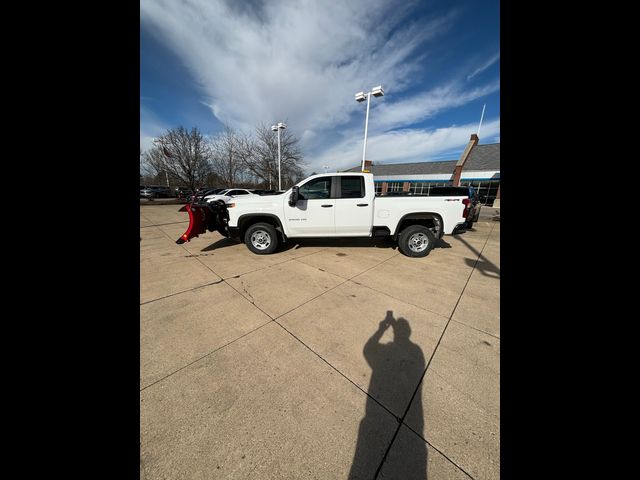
[(309, 363)]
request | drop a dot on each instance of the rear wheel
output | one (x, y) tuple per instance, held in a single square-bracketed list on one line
[(261, 238), (416, 241)]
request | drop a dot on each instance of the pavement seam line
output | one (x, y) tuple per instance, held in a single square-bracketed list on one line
[(398, 299), (338, 275), (163, 224), (477, 329), (326, 291), (274, 319), (418, 385), (182, 291), (469, 398), (219, 276), (244, 273), (269, 266), (440, 452), (206, 355), (271, 319), (335, 369)]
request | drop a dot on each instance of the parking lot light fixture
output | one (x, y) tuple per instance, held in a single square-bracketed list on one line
[(360, 97), (277, 128)]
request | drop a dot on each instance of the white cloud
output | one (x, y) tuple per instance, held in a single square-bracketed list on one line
[(425, 105), (301, 61), (296, 60), (409, 145), (150, 128), (484, 66)]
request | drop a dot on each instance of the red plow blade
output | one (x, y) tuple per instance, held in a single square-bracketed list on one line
[(198, 221)]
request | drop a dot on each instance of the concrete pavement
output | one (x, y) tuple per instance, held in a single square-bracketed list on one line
[(278, 366)]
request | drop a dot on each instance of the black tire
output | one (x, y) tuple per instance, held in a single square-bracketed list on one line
[(265, 240), (411, 236)]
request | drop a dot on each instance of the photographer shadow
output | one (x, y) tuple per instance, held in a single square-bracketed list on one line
[(397, 368)]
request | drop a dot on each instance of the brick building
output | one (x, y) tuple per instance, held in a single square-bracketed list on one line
[(478, 166)]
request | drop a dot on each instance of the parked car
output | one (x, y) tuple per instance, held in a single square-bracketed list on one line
[(331, 205), (201, 192), (156, 191), (266, 192), (227, 194)]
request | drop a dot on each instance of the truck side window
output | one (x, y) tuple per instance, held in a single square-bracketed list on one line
[(317, 188), (352, 187)]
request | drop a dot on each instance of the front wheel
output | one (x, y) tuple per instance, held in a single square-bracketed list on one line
[(261, 238), (416, 241)]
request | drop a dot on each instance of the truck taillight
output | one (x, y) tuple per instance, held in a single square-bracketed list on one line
[(466, 203)]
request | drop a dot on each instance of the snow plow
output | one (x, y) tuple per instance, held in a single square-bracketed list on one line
[(205, 217)]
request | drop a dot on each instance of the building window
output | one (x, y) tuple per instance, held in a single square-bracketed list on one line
[(394, 187), (486, 189), (419, 188)]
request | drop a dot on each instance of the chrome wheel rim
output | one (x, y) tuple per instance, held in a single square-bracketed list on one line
[(418, 242), (260, 239)]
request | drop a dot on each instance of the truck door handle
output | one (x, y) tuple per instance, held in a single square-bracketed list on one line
[(363, 204), (327, 206)]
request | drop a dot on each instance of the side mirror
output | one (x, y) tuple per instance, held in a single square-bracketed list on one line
[(293, 199)]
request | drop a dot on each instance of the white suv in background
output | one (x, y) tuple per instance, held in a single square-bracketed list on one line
[(228, 194)]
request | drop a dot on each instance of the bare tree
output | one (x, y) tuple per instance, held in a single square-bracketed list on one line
[(183, 155), (261, 156), (227, 150)]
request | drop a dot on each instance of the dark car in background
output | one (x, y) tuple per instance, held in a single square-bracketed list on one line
[(156, 191)]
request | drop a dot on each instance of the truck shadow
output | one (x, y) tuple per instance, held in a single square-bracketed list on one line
[(375, 242), (223, 242), (396, 370), (379, 242)]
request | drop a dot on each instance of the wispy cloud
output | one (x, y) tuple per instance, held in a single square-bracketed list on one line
[(150, 128), (425, 105), (484, 66), (408, 145), (301, 61)]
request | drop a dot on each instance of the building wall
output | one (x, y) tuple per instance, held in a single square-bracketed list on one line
[(487, 188)]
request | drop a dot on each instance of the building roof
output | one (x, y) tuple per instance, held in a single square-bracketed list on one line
[(484, 157), (418, 168)]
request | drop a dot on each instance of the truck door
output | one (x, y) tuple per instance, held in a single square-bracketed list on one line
[(314, 214), (354, 208)]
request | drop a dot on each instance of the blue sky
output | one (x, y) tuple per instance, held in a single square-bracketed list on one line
[(208, 62)]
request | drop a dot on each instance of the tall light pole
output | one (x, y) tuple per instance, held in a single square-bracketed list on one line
[(278, 127), (360, 97)]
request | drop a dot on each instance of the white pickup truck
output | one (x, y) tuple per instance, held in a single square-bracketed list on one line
[(330, 205)]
